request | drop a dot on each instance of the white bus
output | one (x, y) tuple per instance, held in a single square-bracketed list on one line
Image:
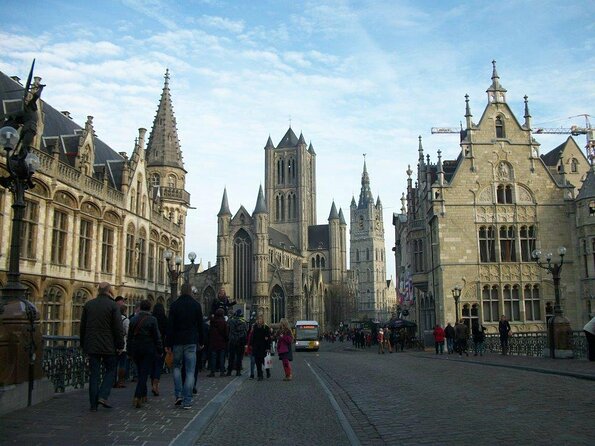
[(307, 335)]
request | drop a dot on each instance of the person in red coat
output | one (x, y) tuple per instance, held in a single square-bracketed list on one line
[(218, 338), (439, 339)]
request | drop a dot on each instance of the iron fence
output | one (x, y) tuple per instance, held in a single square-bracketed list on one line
[(534, 344), (64, 362)]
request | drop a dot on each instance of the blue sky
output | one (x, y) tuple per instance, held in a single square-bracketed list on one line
[(355, 76)]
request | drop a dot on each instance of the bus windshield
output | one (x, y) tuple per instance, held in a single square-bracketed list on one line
[(309, 333)]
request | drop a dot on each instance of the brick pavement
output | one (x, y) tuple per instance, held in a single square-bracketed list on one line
[(66, 419)]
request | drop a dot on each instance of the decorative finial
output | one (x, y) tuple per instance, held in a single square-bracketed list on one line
[(166, 75), (409, 171), (289, 121)]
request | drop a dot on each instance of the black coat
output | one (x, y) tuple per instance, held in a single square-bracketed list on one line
[(143, 334), (261, 340), (185, 322), (101, 329)]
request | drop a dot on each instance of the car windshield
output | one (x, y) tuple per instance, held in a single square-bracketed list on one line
[(306, 334)]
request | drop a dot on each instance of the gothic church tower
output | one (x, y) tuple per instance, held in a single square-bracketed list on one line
[(367, 251)]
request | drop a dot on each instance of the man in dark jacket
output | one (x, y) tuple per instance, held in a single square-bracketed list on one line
[(449, 334), (238, 332), (222, 301), (461, 336), (102, 338), (184, 333)]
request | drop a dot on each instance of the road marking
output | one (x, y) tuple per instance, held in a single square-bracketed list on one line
[(353, 440), (197, 425)]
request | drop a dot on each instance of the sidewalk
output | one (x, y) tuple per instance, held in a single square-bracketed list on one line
[(67, 420)]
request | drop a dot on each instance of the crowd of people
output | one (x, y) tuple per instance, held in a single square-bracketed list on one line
[(185, 342)]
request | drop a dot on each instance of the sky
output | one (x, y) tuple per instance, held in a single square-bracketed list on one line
[(354, 76)]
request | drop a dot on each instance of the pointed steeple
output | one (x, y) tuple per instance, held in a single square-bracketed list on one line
[(496, 92), (261, 206), (341, 217), (163, 148), (224, 205), (334, 215), (353, 203), (468, 114), (527, 114), (365, 195), (302, 140), (420, 150), (311, 149), (378, 202), (289, 140), (269, 144)]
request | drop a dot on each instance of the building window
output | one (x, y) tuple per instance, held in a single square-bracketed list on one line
[(161, 266), (155, 180), (85, 244), (470, 315), (573, 165), (527, 235), (507, 244), (107, 250), (357, 255), (504, 194), (418, 260), (242, 266), (487, 244), (138, 200), (591, 208), (142, 256), (500, 133), (367, 253), (532, 303), (171, 181), (491, 303), (593, 250), (78, 302), (59, 233), (277, 304), (51, 309), (29, 229), (151, 268), (512, 307), (129, 261), (586, 258)]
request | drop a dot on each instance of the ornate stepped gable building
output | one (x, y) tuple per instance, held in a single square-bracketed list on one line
[(277, 260), (375, 297), (96, 215), (474, 222)]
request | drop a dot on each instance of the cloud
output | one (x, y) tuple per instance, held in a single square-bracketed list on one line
[(234, 26)]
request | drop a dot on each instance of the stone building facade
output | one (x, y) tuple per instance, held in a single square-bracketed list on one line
[(474, 222), (276, 260), (95, 214)]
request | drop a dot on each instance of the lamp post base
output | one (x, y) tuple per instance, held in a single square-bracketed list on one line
[(561, 341)]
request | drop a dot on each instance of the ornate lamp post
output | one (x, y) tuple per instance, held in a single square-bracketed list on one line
[(559, 330), (456, 294), (17, 135), (176, 270)]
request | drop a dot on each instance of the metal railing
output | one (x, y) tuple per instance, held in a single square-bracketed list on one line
[(64, 362), (534, 344)]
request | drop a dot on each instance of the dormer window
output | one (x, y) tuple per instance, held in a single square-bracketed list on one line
[(500, 127), (504, 194)]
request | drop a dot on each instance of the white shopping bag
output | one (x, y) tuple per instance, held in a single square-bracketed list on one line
[(268, 361)]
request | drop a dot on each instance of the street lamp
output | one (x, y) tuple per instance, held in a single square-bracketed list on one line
[(176, 270), (559, 330), (456, 294)]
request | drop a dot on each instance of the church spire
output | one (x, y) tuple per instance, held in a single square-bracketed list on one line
[(163, 148), (496, 92), (261, 206), (527, 114), (365, 195), (224, 205)]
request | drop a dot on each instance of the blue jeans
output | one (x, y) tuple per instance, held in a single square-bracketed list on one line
[(450, 344), (187, 354), (217, 358), (96, 391)]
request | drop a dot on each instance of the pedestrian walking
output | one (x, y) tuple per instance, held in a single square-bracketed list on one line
[(478, 339), (449, 334), (380, 340), (589, 330), (218, 339), (102, 339), (461, 336), (261, 345), (504, 330), (183, 334), (144, 343), (122, 368), (238, 333), (439, 339), (284, 348), (157, 368), (249, 350)]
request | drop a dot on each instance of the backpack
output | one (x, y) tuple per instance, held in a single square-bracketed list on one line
[(238, 331)]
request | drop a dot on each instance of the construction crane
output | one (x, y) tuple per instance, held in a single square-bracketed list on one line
[(574, 130)]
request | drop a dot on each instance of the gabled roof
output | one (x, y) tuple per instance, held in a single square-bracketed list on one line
[(587, 189), (318, 237), (289, 140), (280, 240), (552, 158)]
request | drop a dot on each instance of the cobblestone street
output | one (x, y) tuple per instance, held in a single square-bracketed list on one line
[(406, 398)]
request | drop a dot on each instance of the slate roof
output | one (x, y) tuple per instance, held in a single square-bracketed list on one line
[(63, 130), (280, 240), (318, 237), (552, 158), (289, 140), (588, 187)]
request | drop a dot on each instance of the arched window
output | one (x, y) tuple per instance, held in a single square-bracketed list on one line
[(504, 194), (155, 180), (142, 254), (129, 261), (242, 266), (528, 240), (500, 133), (277, 304), (487, 244), (507, 244), (322, 262), (573, 165), (78, 302), (282, 208), (52, 310), (277, 208), (171, 180)]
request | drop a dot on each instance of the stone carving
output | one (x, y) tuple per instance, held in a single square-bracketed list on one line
[(485, 196), (503, 171), (524, 196)]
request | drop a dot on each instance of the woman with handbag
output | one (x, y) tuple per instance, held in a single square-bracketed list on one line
[(284, 343), (159, 315), (261, 345), (144, 343)]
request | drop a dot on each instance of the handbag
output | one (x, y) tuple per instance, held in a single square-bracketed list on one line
[(268, 361), (169, 359)]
